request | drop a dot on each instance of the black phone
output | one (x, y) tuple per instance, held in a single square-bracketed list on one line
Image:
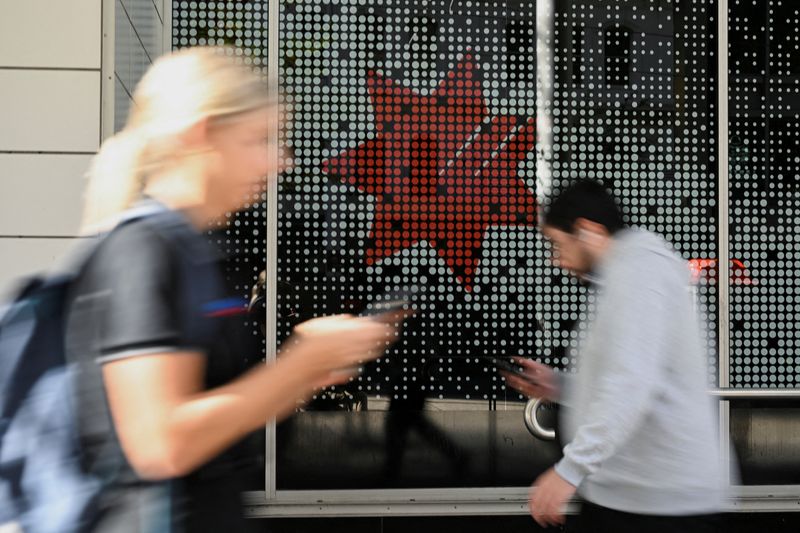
[(390, 303), (506, 365)]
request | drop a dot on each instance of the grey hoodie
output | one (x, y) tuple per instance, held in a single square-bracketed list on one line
[(642, 431)]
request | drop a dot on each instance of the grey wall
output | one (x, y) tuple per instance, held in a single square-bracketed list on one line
[(63, 87), (50, 125)]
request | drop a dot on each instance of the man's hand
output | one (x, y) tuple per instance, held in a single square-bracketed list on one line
[(541, 381), (548, 498)]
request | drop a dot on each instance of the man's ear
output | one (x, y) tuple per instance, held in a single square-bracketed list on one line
[(587, 230)]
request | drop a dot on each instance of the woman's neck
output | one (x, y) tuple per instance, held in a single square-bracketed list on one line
[(183, 189)]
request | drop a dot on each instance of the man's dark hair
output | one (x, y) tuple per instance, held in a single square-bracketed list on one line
[(584, 199)]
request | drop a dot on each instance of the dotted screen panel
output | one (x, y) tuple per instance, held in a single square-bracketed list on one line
[(415, 163), (240, 24), (635, 107), (764, 110)]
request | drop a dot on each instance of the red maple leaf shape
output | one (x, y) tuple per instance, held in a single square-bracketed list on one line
[(438, 170)]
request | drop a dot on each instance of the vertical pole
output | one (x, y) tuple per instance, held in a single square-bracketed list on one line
[(723, 255), (545, 80), (107, 87), (272, 244)]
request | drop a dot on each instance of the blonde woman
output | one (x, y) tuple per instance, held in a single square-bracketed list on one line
[(160, 401)]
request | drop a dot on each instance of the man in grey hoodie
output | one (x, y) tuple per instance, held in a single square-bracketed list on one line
[(643, 447)]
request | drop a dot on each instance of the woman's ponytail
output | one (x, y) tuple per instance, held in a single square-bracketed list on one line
[(116, 180)]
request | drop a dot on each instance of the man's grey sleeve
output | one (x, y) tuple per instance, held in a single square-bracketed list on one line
[(564, 381)]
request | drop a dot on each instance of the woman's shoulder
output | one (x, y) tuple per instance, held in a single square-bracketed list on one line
[(146, 258), (133, 237), (133, 253)]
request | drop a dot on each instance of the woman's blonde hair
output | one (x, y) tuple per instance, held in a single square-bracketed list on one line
[(179, 90)]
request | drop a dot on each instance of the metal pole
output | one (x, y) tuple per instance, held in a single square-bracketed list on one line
[(756, 394), (723, 263), (107, 86), (545, 78), (272, 244)]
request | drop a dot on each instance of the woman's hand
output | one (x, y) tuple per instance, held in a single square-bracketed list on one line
[(332, 348)]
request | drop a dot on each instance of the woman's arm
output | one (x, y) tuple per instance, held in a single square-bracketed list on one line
[(169, 426)]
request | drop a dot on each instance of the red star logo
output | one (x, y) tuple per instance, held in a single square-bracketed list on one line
[(440, 172)]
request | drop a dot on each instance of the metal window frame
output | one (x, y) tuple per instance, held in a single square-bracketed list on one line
[(723, 261), (107, 65), (108, 62), (271, 250), (492, 502), (499, 500), (166, 22)]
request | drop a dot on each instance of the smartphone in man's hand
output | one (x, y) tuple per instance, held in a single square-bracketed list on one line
[(506, 365)]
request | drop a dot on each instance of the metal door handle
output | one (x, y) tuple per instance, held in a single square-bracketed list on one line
[(532, 421)]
